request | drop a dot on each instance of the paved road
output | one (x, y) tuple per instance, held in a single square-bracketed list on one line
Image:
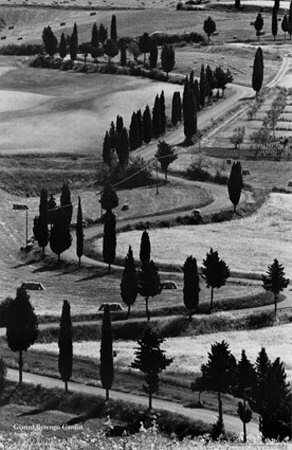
[(232, 423)]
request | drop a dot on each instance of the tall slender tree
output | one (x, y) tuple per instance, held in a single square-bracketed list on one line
[(106, 353), (94, 36), (123, 50), (103, 34), (156, 118), (145, 247), (109, 239), (65, 360), (189, 115), (147, 125), (41, 231), (22, 326), (162, 112), (79, 232), (109, 199), (144, 44), (235, 184), (134, 132), (150, 359), (63, 46), (153, 54), (167, 58), (215, 272), (274, 23), (274, 281), (65, 202), (202, 86), (50, 41), (107, 150), (258, 25), (258, 71), (285, 25), (191, 287), (148, 283), (113, 33), (60, 237), (129, 282)]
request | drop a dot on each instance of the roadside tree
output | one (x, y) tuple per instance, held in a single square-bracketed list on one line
[(274, 281), (106, 367), (22, 326), (109, 240), (65, 360), (191, 287), (215, 272), (148, 283), (235, 184), (209, 27), (165, 156), (129, 282), (79, 232), (150, 359)]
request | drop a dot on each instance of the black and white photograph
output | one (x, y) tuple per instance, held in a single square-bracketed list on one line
[(146, 225)]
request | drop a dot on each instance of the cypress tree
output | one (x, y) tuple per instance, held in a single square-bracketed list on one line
[(119, 123), (79, 232), (129, 282), (285, 25), (3, 373), (147, 125), (123, 151), (153, 54), (192, 81), (65, 360), (75, 32), (156, 118), (185, 92), (133, 132), (162, 112), (109, 199), (111, 49), (144, 44), (235, 184), (94, 36), (174, 109), (179, 107), (22, 326), (60, 237), (276, 5), (114, 28), (65, 202), (197, 94), (41, 225), (202, 86), (189, 115), (167, 58), (145, 247), (237, 4), (102, 31), (123, 54), (109, 240), (73, 47), (52, 208), (215, 271), (63, 46), (290, 19), (191, 287), (50, 41), (148, 283), (106, 150), (258, 73), (274, 23), (113, 136), (139, 128), (106, 367)]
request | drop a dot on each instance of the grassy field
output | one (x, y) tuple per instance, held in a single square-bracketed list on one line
[(266, 233), (62, 112), (189, 353)]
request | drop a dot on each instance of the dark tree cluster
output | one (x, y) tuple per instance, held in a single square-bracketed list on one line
[(262, 388), (59, 220), (118, 141)]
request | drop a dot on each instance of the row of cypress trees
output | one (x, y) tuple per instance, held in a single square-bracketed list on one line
[(143, 127), (52, 225)]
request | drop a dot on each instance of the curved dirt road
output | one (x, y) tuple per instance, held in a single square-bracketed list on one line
[(232, 423)]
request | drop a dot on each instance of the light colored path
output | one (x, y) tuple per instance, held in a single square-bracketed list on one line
[(231, 423)]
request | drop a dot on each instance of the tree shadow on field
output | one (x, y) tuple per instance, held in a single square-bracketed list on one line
[(25, 264), (99, 274)]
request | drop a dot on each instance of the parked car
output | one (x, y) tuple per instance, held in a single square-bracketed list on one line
[(112, 307)]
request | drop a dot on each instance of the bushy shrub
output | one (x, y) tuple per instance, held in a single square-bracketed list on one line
[(67, 65), (196, 173)]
